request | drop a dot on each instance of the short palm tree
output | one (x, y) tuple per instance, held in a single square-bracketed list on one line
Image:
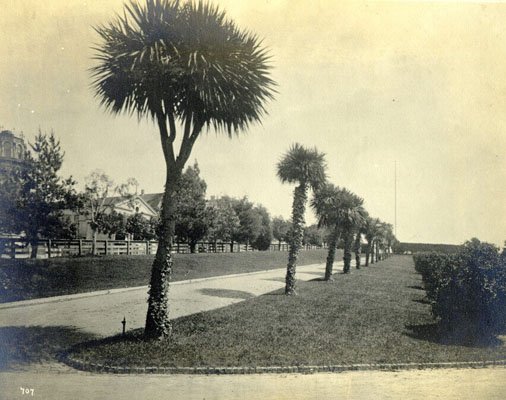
[(371, 227), (326, 203), (306, 168), (357, 246), (341, 211), (188, 68), (352, 217)]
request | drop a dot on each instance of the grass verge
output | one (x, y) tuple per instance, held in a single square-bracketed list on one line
[(375, 315), (25, 279)]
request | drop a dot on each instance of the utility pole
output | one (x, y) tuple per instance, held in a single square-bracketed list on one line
[(395, 198)]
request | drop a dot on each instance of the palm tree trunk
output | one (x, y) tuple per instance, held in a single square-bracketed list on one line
[(372, 251), (357, 249), (367, 252), (299, 207), (348, 240), (157, 318), (333, 239)]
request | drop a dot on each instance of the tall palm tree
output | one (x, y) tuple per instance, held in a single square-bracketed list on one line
[(305, 167), (188, 68)]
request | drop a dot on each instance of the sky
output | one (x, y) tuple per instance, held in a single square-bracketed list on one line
[(419, 85)]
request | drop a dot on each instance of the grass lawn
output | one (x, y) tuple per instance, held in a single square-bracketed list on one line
[(375, 315), (24, 279)]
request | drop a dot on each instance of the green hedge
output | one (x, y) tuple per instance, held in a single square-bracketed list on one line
[(467, 290)]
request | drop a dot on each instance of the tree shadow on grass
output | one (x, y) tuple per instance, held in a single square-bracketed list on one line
[(22, 346), (226, 293), (312, 273), (422, 301), (417, 287), (435, 333)]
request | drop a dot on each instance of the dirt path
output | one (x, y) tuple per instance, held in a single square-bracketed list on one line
[(461, 384), (102, 315)]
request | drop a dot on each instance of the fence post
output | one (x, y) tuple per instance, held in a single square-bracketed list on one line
[(128, 247), (49, 248), (147, 246), (13, 249), (80, 247), (106, 243)]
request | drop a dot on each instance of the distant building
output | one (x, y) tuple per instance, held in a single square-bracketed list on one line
[(12, 152), (147, 205)]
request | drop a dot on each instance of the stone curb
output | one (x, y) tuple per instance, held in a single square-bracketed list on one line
[(69, 297), (301, 369)]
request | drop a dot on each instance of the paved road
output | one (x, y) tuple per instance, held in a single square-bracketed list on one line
[(102, 315)]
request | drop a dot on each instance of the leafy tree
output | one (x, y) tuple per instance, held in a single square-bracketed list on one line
[(306, 168), (224, 222), (140, 228), (192, 219), (250, 221), (264, 237), (280, 230), (314, 235), (112, 223), (33, 199), (98, 205), (98, 188), (186, 63)]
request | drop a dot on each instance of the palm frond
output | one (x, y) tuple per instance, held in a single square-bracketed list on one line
[(302, 165), (187, 59)]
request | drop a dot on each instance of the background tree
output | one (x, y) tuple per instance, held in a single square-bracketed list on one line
[(187, 63), (98, 204), (250, 221), (314, 235), (280, 229), (264, 237), (192, 219), (98, 187), (224, 222), (141, 228), (33, 199), (112, 224), (306, 168)]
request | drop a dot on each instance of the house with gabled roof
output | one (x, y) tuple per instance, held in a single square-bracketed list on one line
[(145, 205)]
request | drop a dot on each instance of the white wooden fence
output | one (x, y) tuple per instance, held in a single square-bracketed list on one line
[(19, 248)]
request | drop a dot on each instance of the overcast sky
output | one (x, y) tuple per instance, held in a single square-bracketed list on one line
[(368, 83)]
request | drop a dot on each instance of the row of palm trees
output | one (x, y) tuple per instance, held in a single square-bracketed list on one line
[(338, 209)]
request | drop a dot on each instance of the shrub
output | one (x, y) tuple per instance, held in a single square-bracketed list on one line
[(467, 290)]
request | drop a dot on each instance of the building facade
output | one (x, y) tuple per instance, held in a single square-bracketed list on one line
[(12, 152)]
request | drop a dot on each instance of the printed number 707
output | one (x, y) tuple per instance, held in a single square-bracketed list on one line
[(26, 391)]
